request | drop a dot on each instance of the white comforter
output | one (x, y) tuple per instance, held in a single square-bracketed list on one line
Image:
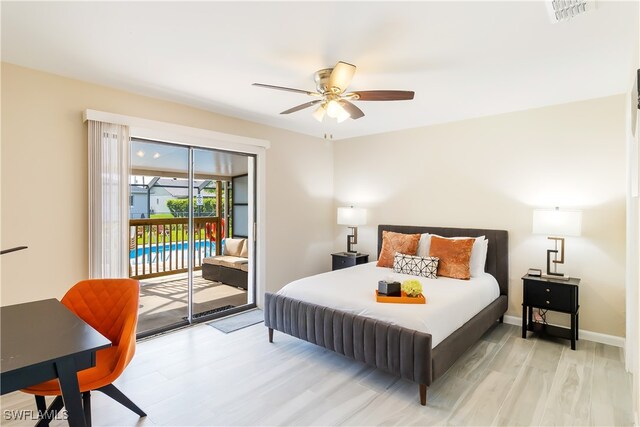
[(450, 302)]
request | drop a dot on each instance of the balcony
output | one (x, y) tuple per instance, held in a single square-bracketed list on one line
[(158, 258), (159, 246)]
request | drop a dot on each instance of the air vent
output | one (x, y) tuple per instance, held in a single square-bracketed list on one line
[(564, 10)]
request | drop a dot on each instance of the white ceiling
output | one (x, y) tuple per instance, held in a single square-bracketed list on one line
[(463, 59), (173, 160)]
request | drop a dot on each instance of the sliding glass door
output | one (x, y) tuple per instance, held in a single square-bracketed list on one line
[(225, 269), (181, 213), (159, 233)]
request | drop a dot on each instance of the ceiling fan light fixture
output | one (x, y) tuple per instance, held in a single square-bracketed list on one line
[(335, 102), (342, 116), (319, 113), (334, 109)]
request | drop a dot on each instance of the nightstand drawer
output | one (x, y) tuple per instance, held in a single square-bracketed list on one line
[(549, 295), (343, 260)]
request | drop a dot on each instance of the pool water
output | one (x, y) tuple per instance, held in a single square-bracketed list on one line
[(165, 250)]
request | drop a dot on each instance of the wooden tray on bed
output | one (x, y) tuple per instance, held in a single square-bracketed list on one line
[(403, 299)]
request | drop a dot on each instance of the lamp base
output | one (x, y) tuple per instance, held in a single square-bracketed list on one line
[(352, 239), (554, 274)]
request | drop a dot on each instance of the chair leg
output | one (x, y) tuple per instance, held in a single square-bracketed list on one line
[(86, 404), (111, 391), (41, 404), (49, 413)]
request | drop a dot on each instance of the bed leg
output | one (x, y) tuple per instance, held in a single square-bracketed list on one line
[(423, 394), (501, 319), (270, 334)]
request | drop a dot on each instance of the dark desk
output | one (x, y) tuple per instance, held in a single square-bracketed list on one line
[(43, 340)]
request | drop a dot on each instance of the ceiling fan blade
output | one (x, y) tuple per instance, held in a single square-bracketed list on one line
[(383, 95), (288, 89), (353, 111), (301, 106), (341, 77)]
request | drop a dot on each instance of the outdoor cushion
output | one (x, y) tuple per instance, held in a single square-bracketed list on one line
[(211, 260), (226, 260), (233, 247), (233, 261)]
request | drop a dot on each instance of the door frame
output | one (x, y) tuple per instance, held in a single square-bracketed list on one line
[(204, 138)]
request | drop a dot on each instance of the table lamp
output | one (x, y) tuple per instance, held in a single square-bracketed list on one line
[(352, 217), (557, 224)]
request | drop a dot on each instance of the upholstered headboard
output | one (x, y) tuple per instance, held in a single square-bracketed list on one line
[(497, 253)]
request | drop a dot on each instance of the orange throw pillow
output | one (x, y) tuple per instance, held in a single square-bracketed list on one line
[(454, 256), (396, 242)]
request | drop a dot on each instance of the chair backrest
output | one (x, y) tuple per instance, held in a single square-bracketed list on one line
[(108, 305)]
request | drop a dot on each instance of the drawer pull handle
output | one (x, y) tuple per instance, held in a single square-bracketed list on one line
[(548, 290), (548, 302)]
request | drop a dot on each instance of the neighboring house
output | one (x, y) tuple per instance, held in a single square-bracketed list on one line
[(158, 197), (138, 202), (145, 201)]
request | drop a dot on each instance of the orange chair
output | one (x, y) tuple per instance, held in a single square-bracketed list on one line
[(111, 307)]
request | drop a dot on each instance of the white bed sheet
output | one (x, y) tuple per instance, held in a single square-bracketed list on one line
[(450, 302)]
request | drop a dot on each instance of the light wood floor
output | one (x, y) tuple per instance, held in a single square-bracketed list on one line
[(201, 376)]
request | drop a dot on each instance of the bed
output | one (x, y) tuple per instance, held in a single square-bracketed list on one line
[(416, 353)]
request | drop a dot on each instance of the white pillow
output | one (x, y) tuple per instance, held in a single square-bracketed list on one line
[(423, 245), (478, 256), (478, 251)]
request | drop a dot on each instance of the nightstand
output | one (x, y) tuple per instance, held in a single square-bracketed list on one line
[(345, 259), (550, 294)]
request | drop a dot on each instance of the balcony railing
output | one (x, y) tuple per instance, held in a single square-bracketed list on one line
[(159, 246)]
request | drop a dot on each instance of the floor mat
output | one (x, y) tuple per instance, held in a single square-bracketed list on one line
[(239, 321)]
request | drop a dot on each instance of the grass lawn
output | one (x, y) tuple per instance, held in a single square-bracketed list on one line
[(161, 215)]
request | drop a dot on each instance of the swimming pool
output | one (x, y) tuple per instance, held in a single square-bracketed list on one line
[(165, 250)]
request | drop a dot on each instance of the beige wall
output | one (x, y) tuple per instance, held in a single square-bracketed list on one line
[(491, 173), (44, 183), (485, 173)]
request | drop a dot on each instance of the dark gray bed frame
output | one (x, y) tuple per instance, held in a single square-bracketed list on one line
[(403, 352)]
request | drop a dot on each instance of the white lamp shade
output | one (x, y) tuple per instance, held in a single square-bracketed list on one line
[(319, 113), (352, 216), (554, 222), (334, 109)]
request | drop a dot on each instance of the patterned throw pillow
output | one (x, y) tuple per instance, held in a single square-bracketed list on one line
[(416, 265)]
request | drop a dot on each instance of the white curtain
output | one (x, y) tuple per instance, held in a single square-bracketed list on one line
[(108, 200)]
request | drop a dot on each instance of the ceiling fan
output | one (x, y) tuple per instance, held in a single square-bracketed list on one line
[(335, 102)]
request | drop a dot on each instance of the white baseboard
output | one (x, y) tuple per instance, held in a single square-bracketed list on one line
[(586, 335)]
